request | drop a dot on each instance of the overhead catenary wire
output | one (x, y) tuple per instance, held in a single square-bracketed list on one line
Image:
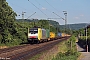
[(50, 5), (16, 10), (42, 5), (18, 13), (31, 15), (49, 10), (18, 6), (37, 2), (58, 16), (38, 8), (54, 9)]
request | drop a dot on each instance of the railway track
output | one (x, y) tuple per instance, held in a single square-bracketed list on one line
[(12, 49), (27, 51)]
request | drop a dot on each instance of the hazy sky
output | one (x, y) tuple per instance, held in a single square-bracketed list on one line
[(78, 11)]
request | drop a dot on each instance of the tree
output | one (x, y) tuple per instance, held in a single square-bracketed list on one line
[(7, 18), (43, 24)]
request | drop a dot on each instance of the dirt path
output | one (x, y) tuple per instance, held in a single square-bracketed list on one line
[(84, 55)]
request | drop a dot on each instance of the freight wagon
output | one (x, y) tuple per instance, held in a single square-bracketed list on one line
[(52, 35)]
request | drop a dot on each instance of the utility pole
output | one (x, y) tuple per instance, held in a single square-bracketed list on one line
[(65, 13), (23, 14), (23, 17), (86, 39)]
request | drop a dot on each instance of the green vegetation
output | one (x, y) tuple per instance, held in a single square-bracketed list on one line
[(70, 53), (7, 23), (36, 57), (74, 26)]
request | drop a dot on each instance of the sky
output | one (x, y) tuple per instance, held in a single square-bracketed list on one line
[(78, 11)]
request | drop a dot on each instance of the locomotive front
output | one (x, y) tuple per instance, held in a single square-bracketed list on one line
[(33, 35)]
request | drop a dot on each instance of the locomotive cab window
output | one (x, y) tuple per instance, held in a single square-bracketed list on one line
[(33, 31)]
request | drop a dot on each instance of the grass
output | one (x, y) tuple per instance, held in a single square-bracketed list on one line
[(62, 47), (71, 57), (36, 56), (65, 51)]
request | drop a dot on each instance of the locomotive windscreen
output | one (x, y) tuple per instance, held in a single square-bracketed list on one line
[(33, 30)]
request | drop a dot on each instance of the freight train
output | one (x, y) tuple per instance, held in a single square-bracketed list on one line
[(40, 35)]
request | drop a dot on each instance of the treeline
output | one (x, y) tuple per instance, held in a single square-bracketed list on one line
[(51, 23), (46, 24), (76, 26)]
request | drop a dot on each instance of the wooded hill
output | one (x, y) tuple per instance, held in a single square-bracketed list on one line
[(76, 26)]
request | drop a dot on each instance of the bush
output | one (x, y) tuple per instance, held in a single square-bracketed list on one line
[(67, 56), (71, 53)]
